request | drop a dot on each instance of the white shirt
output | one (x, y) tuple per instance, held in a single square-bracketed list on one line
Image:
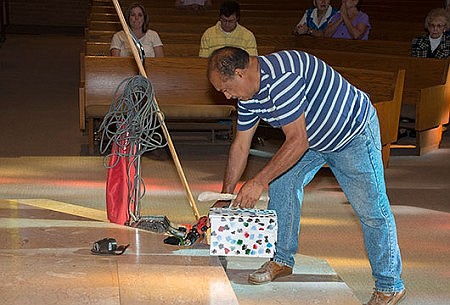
[(434, 42), (149, 41), (314, 17)]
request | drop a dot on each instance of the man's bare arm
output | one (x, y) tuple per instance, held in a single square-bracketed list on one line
[(293, 148), (237, 159)]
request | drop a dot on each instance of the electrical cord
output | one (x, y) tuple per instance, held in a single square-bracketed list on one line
[(132, 120)]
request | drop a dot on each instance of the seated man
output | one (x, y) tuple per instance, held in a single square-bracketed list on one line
[(436, 43), (227, 32)]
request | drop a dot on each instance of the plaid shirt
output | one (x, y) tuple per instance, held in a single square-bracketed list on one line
[(420, 47)]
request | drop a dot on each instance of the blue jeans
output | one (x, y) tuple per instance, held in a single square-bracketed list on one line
[(359, 170)]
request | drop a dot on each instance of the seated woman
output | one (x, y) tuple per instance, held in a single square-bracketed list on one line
[(315, 19), (349, 22), (436, 43), (137, 19)]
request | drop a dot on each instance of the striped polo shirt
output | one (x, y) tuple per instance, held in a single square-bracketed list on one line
[(293, 83)]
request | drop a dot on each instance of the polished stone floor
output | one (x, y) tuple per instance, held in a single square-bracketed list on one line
[(45, 258), (52, 208)]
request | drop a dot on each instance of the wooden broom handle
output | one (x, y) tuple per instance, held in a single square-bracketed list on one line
[(173, 152)]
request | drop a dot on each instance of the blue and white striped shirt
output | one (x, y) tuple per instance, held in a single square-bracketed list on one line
[(293, 83)]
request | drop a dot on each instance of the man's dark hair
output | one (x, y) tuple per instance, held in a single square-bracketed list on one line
[(226, 60), (229, 8)]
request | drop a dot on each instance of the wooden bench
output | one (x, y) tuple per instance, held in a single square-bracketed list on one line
[(377, 46), (385, 88), (426, 96), (183, 92), (168, 9), (388, 31), (190, 25), (170, 49), (186, 97)]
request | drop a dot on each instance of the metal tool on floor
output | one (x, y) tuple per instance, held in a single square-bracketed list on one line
[(108, 246)]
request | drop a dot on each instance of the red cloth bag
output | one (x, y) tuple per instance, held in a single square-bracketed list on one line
[(119, 188)]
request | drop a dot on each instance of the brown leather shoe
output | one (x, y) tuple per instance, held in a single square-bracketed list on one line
[(380, 298), (268, 272)]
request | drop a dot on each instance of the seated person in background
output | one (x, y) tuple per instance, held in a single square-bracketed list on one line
[(193, 4), (228, 32), (315, 19), (349, 22), (436, 43), (137, 19)]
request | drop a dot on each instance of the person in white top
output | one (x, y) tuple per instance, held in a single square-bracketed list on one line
[(137, 19), (315, 19)]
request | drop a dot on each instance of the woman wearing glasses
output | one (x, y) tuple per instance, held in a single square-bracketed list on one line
[(436, 43)]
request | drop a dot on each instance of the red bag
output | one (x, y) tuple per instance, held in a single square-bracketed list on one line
[(120, 185)]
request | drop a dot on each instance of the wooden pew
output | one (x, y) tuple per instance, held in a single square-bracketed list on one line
[(267, 42), (377, 46), (255, 18), (170, 10), (193, 26), (182, 90), (426, 96), (186, 97), (385, 89), (391, 32), (170, 49)]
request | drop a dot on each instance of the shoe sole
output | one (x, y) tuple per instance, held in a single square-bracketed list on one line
[(255, 282), (258, 283), (399, 301), (402, 298)]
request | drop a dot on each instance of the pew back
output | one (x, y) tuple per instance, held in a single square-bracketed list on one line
[(426, 97), (181, 87), (421, 73)]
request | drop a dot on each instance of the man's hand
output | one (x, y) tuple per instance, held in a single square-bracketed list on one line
[(249, 194), (293, 148)]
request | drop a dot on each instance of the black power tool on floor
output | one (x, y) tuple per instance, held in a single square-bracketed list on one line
[(197, 231)]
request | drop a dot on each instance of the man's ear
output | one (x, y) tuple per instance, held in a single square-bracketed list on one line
[(239, 72)]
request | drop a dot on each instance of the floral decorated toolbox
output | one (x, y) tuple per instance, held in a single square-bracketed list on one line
[(243, 232)]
